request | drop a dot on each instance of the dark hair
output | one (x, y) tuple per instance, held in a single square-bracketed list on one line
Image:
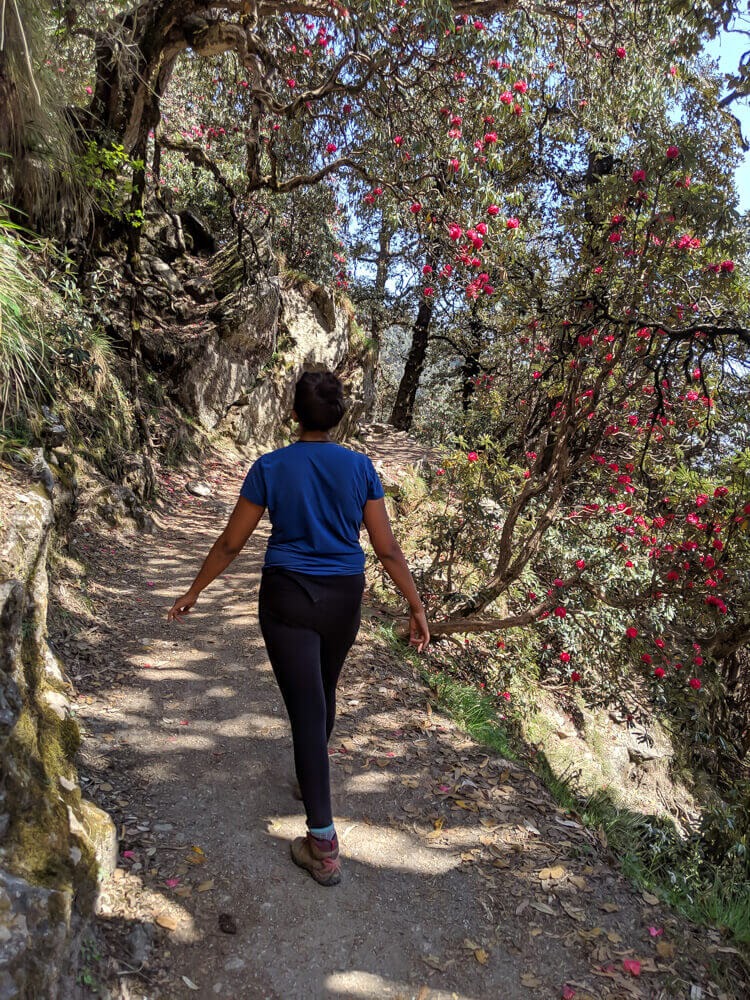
[(319, 400)]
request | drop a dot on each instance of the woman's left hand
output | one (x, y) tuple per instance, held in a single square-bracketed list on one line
[(181, 606)]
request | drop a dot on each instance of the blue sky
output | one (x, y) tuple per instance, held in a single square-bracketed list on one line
[(728, 48)]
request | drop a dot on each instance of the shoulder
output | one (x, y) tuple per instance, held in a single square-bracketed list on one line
[(269, 458), (358, 458)]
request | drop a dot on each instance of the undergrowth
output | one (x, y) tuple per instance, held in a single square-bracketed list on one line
[(649, 849)]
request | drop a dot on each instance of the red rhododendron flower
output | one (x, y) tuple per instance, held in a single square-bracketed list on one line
[(639, 176), (695, 683), (673, 152), (560, 612), (565, 657), (575, 676), (581, 563), (331, 147), (398, 140), (512, 223), (472, 456), (620, 52), (415, 207), (631, 632), (493, 210), (659, 672)]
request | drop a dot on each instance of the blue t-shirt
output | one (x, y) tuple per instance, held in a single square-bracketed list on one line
[(315, 493)]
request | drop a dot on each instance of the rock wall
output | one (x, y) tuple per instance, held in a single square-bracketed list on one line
[(234, 333), (54, 845)]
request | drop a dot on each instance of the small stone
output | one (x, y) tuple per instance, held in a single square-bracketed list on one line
[(199, 489)]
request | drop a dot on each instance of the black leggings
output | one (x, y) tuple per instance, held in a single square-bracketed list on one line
[(309, 624)]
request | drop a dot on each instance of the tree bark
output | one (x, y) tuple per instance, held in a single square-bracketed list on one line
[(403, 409), (377, 312), (471, 367)]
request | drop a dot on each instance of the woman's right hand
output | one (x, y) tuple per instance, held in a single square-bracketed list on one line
[(419, 632)]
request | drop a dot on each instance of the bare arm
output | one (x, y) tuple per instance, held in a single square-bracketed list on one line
[(242, 523), (390, 555)]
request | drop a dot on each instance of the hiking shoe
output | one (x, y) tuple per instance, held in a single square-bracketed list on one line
[(319, 857)]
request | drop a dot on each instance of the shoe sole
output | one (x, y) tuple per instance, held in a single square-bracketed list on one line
[(330, 881)]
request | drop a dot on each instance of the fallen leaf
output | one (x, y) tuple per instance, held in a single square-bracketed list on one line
[(591, 935), (471, 945), (609, 907), (189, 983), (632, 965), (650, 898), (552, 874), (542, 907), (529, 980), (481, 956), (164, 920), (666, 949), (573, 911), (614, 938)]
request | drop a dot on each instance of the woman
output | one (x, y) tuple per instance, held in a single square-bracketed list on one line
[(318, 494)]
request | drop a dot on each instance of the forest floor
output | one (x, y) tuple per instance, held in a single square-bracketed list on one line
[(462, 880)]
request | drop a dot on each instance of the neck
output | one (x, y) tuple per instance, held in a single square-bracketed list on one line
[(315, 436)]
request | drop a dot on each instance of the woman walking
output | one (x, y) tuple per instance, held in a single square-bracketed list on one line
[(317, 494)]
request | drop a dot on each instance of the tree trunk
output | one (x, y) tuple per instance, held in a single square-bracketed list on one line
[(403, 409), (471, 367), (377, 314)]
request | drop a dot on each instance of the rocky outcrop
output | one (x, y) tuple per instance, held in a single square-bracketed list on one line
[(54, 845), (242, 331)]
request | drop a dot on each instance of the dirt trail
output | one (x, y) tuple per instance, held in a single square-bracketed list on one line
[(462, 880)]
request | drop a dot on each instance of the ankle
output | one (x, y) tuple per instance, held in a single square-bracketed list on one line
[(323, 832)]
